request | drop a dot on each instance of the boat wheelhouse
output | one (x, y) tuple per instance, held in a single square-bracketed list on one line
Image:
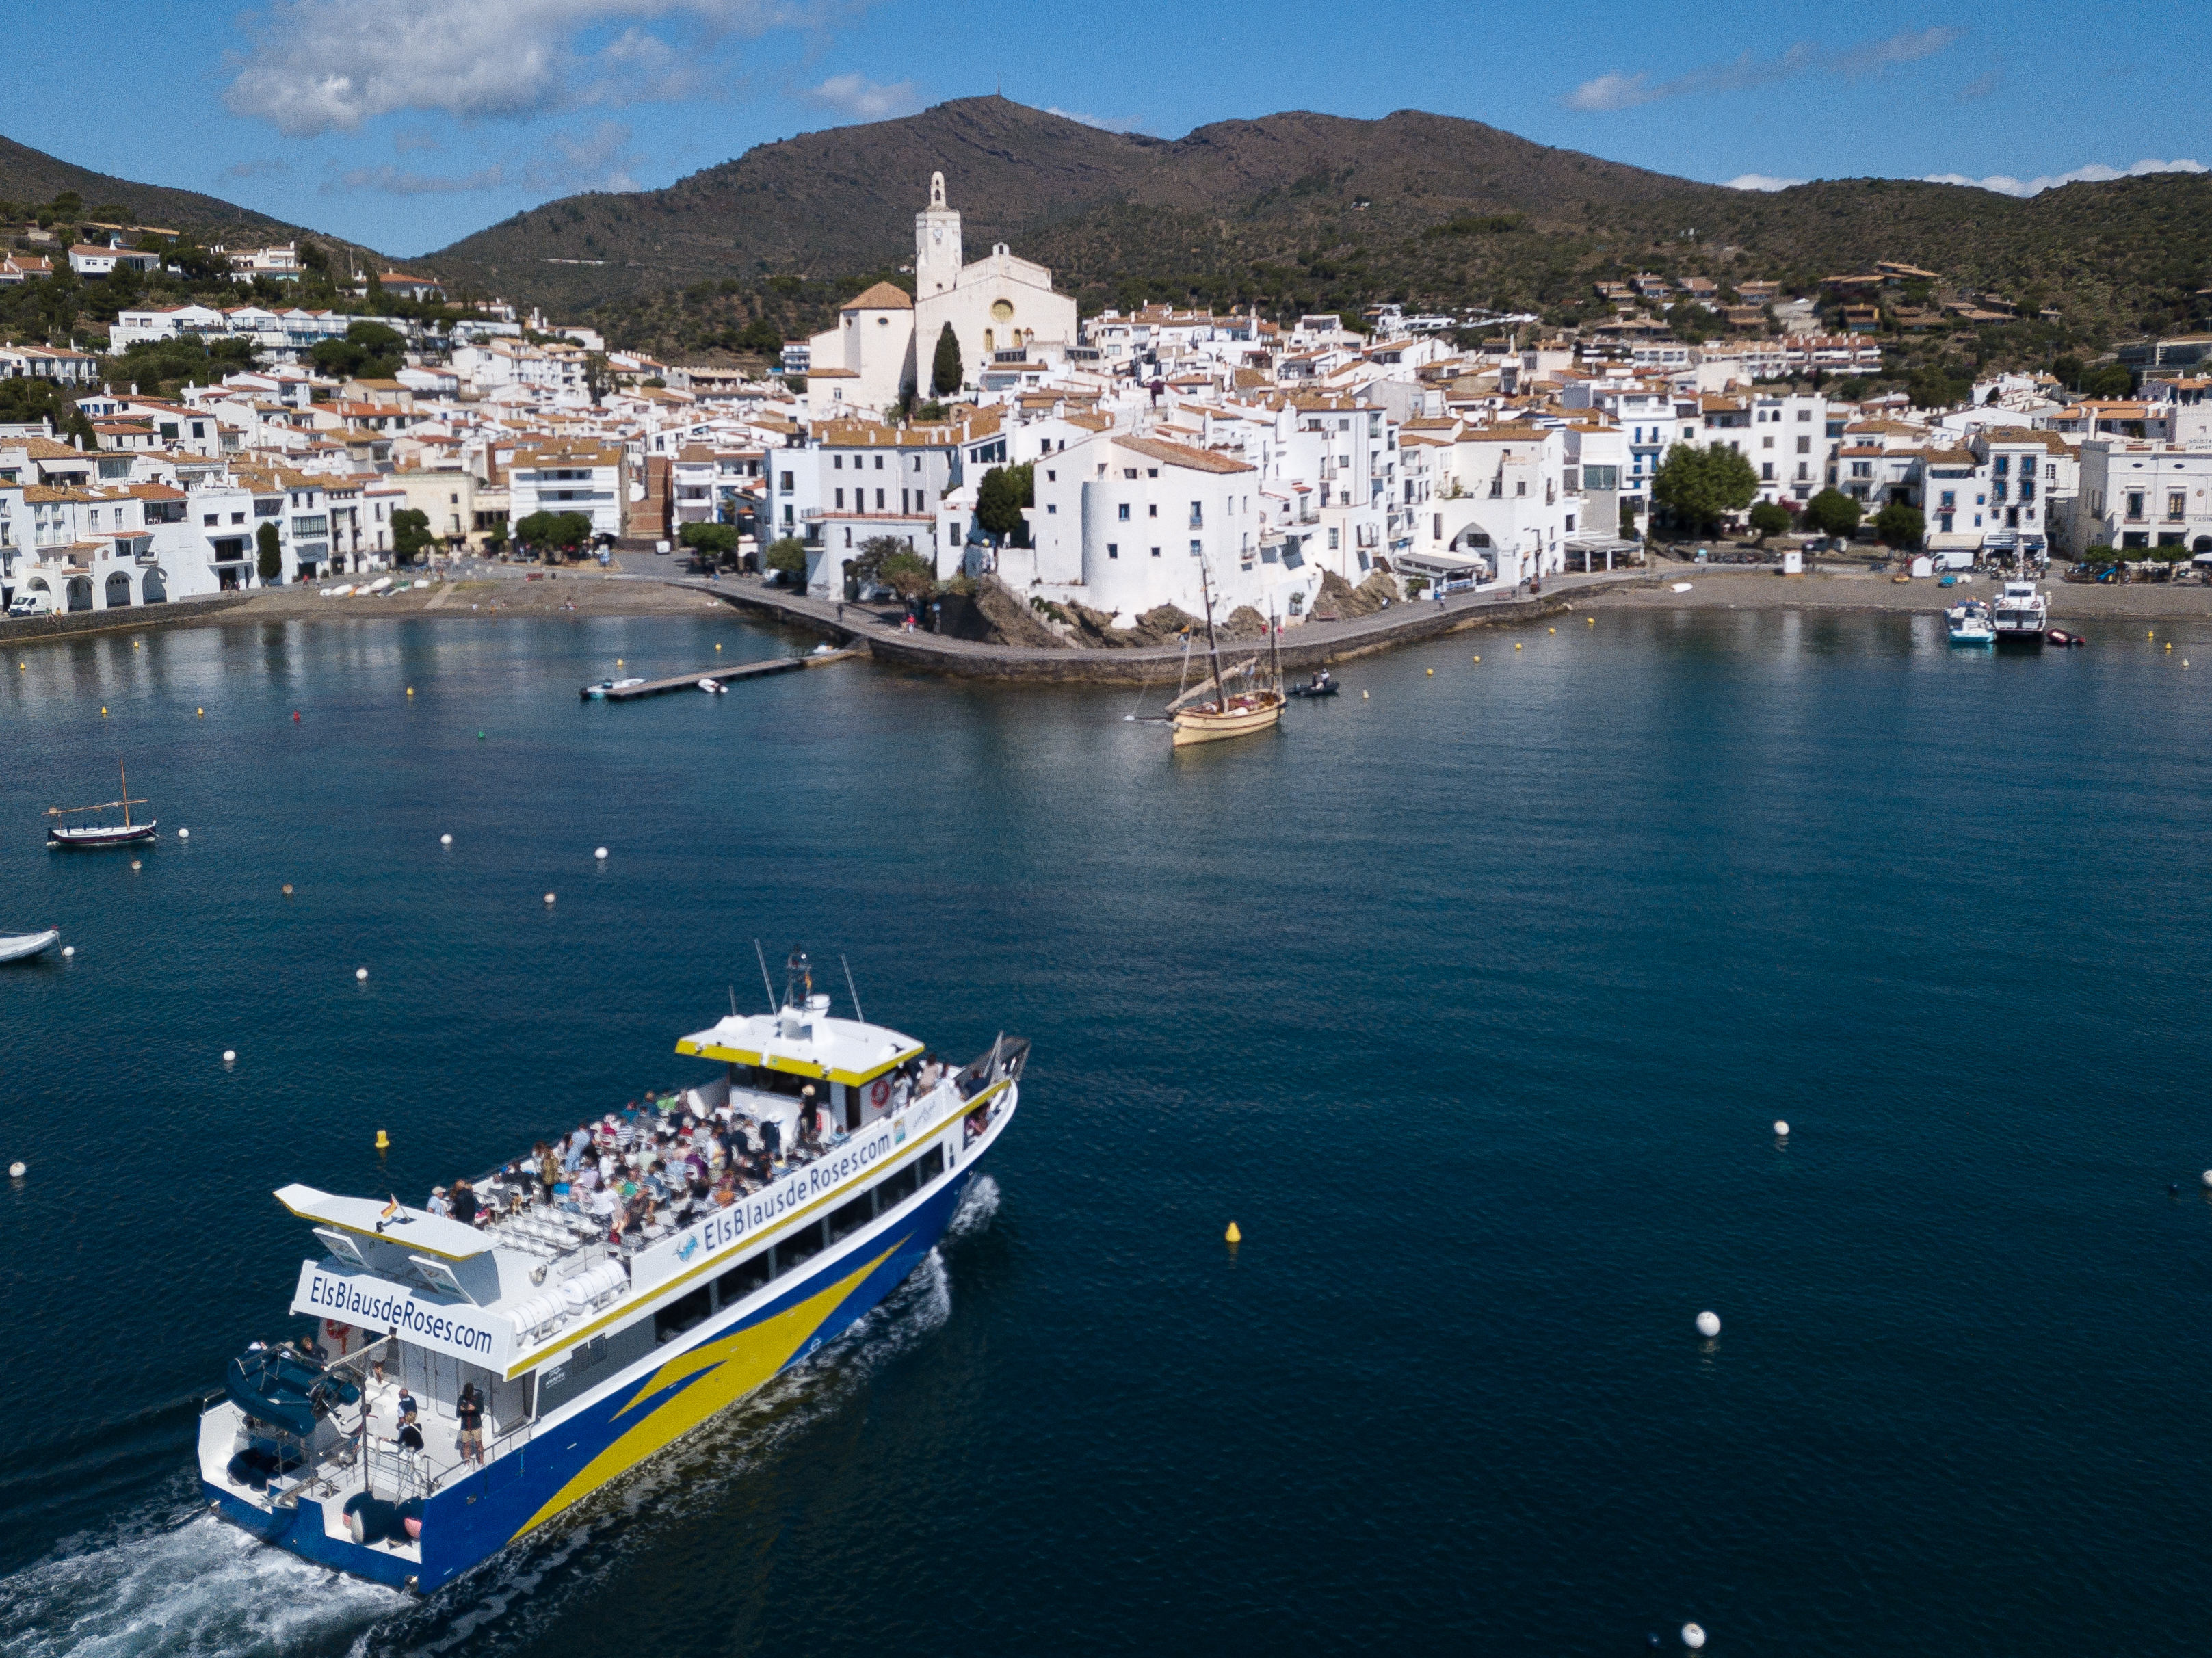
[(586, 1354)]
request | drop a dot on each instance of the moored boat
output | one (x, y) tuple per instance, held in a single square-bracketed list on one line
[(1229, 713), (578, 1331), (16, 946), (1970, 624), (91, 837), (2022, 614)]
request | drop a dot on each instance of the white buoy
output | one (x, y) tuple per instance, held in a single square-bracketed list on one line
[(1694, 1636), (549, 897), (2208, 1173), (600, 853), (17, 1170), (445, 839), (1780, 1128), (1709, 1324), (229, 1054), (69, 949), (184, 835), (360, 973)]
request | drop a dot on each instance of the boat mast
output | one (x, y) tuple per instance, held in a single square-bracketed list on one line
[(124, 774), (1212, 645)]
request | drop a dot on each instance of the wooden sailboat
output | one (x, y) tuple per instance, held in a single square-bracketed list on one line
[(1229, 713), (91, 837)]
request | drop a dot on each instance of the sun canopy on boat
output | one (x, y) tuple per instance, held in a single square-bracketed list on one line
[(427, 1233)]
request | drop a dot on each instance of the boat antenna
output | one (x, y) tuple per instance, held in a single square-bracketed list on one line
[(733, 1001), (766, 984), (850, 986)]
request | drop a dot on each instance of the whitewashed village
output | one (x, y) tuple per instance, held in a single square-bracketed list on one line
[(1286, 469)]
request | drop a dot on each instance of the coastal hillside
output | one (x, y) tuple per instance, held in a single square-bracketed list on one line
[(1300, 210), (28, 176)]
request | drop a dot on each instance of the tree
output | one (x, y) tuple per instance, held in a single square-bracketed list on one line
[(2068, 370), (762, 336), (712, 543), (550, 534), (944, 372), (908, 575), (1900, 526), (1770, 519), (25, 401), (410, 534), (2110, 381), (495, 536), (1698, 484), (269, 556), (788, 557), (999, 499), (1628, 520), (1832, 513)]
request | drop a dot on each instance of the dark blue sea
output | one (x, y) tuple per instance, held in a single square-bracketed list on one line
[(1471, 997)]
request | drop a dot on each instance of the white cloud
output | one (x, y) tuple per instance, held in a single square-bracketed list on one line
[(2095, 172), (1612, 91), (1759, 182), (600, 162), (1104, 122), (318, 65), (862, 99), (269, 168)]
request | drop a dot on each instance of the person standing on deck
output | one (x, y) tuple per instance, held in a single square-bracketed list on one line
[(468, 1410)]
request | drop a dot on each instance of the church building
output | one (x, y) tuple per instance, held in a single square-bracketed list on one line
[(885, 341)]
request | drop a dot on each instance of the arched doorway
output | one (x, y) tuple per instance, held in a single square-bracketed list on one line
[(154, 588), (80, 593), (118, 591), (2204, 544)]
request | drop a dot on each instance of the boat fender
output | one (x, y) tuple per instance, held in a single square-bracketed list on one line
[(337, 1333)]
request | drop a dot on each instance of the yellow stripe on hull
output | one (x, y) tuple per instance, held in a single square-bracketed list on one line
[(738, 1363)]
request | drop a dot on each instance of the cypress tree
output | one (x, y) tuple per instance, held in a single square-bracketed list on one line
[(944, 374), (271, 562)]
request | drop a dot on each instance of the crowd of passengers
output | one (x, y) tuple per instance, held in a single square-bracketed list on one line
[(637, 1167)]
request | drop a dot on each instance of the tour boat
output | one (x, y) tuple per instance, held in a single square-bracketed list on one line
[(1970, 623), (1231, 713), (86, 838), (588, 1356), (13, 947), (2022, 614)]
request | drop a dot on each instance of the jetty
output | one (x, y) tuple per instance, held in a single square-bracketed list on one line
[(687, 681)]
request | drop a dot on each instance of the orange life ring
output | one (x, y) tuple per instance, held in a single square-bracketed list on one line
[(879, 1093)]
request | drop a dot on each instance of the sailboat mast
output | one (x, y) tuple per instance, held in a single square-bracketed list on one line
[(1212, 645), (124, 772)]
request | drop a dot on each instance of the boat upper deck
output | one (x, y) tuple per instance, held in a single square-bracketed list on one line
[(552, 1245)]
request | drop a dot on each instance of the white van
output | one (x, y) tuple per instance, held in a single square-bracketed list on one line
[(31, 604)]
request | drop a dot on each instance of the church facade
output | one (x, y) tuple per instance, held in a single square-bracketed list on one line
[(884, 342)]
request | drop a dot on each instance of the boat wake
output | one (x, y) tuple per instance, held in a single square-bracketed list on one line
[(196, 1587)]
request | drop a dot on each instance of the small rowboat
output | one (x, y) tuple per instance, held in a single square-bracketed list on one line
[(13, 947)]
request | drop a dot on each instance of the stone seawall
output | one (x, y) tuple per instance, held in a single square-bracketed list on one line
[(177, 613), (1311, 646)]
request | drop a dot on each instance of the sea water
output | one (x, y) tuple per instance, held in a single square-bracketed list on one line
[(1470, 997)]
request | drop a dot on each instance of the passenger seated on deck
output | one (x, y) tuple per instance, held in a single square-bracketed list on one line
[(438, 1205)]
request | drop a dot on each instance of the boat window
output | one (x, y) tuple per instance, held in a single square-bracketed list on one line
[(803, 1244), (848, 1218), (761, 1080), (899, 1187), (931, 1164), (742, 1279), (685, 1313)]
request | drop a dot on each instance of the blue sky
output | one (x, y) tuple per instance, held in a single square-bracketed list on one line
[(407, 123)]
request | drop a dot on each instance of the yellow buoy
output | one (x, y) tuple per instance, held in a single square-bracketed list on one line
[(1363, 696), (201, 712), (410, 690), (383, 1141), (1517, 647), (1478, 658), (1432, 673), (718, 647), (288, 889), (2169, 644), (1232, 1235), (103, 712), (1591, 620), (1550, 630)]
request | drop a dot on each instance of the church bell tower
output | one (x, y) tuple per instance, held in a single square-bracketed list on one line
[(936, 244)]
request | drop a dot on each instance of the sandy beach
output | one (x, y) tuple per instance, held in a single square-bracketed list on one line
[(561, 593)]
